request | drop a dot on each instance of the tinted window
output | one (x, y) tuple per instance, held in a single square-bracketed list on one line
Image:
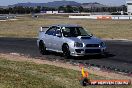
[(58, 30), (74, 32), (51, 31)]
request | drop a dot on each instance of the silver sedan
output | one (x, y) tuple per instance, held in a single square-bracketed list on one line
[(71, 40)]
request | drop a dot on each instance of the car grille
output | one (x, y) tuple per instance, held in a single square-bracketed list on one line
[(93, 51), (92, 45)]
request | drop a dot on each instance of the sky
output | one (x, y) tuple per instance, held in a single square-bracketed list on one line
[(106, 2)]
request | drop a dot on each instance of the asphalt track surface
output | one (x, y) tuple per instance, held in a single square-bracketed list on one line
[(118, 57)]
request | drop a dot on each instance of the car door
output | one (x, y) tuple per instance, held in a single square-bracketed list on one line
[(58, 40), (49, 36)]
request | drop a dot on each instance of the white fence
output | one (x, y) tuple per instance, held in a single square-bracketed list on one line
[(114, 17)]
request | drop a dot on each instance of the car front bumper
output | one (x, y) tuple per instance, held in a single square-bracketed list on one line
[(87, 51)]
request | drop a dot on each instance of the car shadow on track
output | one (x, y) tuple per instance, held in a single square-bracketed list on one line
[(88, 57), (91, 57)]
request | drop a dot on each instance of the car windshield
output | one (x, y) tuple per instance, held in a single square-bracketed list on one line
[(74, 32)]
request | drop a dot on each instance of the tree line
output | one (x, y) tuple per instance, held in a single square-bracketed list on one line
[(65, 9)]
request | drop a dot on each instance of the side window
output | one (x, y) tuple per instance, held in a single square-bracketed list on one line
[(58, 31), (66, 32), (51, 31)]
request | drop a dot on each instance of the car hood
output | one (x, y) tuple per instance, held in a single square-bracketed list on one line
[(86, 39)]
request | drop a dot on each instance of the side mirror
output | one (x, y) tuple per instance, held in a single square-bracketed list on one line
[(91, 35), (58, 35)]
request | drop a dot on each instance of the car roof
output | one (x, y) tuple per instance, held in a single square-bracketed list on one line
[(67, 25)]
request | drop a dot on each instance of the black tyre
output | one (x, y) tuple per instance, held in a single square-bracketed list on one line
[(66, 51), (42, 48)]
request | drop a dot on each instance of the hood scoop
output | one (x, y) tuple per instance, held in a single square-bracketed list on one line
[(84, 37)]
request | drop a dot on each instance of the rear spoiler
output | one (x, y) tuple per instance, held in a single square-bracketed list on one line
[(43, 29)]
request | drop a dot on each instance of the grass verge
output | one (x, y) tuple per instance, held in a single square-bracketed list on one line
[(15, 74), (29, 27)]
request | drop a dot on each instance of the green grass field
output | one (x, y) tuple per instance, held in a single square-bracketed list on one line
[(14, 74), (29, 27)]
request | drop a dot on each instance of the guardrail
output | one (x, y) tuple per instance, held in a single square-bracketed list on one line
[(5, 17)]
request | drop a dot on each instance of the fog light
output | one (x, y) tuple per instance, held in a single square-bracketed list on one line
[(79, 50)]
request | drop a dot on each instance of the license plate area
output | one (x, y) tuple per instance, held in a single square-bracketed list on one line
[(93, 51)]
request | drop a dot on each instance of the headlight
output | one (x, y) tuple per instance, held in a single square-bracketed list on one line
[(77, 44), (102, 44)]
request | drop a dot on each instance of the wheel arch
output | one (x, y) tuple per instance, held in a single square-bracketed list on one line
[(64, 44), (41, 41)]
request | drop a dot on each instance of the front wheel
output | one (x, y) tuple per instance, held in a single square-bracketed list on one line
[(66, 51)]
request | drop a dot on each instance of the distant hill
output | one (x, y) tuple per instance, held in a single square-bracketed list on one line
[(90, 5), (28, 4), (62, 3), (59, 3), (4, 7), (49, 4)]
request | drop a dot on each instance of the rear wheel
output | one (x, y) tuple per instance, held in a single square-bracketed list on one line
[(66, 51), (42, 48)]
